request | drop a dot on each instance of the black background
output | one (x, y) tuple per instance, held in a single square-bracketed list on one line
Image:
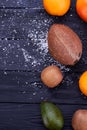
[(23, 25)]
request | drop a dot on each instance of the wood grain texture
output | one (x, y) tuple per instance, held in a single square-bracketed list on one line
[(23, 30), (28, 116), (20, 4), (26, 87)]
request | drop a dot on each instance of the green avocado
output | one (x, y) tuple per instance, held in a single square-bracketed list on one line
[(52, 116)]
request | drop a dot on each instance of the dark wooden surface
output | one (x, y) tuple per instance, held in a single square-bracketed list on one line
[(23, 54)]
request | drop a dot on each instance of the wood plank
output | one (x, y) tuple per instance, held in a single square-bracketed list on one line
[(21, 3), (22, 54), (32, 55), (19, 51), (17, 35), (20, 23), (25, 4), (23, 38), (28, 116), (26, 87)]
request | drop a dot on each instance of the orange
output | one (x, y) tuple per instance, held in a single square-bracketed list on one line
[(81, 9), (56, 7), (83, 83)]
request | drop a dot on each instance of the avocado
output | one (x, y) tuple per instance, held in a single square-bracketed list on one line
[(52, 116)]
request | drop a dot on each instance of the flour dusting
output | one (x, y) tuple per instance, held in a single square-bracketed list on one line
[(28, 57), (43, 46), (25, 44)]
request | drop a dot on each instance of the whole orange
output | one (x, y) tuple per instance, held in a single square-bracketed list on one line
[(83, 83), (81, 9), (56, 7)]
